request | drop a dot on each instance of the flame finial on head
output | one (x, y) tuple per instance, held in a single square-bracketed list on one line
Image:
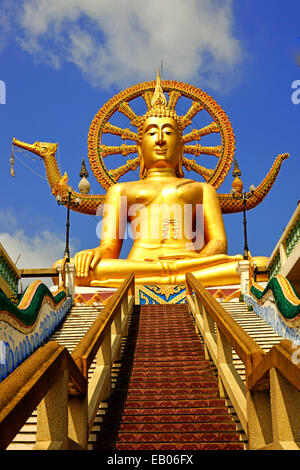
[(159, 98), (158, 106)]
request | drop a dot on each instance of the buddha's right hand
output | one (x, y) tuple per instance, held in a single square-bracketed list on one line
[(86, 260)]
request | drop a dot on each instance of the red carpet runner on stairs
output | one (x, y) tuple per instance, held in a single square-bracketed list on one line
[(166, 394)]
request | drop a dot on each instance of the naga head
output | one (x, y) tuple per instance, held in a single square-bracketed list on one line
[(42, 149)]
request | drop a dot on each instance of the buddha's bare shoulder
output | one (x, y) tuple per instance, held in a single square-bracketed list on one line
[(196, 185), (120, 188)]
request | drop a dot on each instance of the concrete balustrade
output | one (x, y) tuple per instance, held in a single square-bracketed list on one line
[(267, 403), (221, 334), (59, 386), (285, 258)]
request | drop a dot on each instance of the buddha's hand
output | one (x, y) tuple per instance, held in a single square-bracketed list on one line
[(86, 260)]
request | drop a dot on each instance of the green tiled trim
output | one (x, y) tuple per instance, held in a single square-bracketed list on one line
[(28, 315), (8, 275), (275, 266), (285, 307), (293, 237)]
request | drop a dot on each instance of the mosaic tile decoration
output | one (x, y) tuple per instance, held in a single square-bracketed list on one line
[(147, 295), (16, 345), (271, 315)]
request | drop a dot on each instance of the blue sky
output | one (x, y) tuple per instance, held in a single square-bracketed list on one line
[(61, 61)]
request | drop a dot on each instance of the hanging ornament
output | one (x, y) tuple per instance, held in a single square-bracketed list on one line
[(12, 161)]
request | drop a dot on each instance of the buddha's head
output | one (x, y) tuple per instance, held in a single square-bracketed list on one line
[(160, 136)]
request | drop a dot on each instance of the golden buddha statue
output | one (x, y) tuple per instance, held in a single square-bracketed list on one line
[(176, 223)]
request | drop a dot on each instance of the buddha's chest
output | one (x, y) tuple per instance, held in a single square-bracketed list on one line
[(158, 193)]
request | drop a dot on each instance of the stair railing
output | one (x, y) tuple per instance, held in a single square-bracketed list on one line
[(57, 383), (102, 343), (222, 334), (268, 402), (273, 399)]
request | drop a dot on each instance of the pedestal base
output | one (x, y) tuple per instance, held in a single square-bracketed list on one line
[(147, 295)]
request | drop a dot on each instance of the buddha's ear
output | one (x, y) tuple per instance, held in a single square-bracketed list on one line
[(179, 169), (139, 149), (142, 166)]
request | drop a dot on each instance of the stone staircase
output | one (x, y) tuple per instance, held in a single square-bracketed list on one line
[(164, 391)]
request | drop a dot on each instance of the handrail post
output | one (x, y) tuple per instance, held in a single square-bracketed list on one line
[(259, 419), (125, 314), (273, 399), (104, 358), (285, 408), (224, 356), (197, 314), (273, 414), (99, 387), (131, 294), (78, 429), (116, 335), (52, 416), (70, 274), (243, 271), (208, 330), (190, 296)]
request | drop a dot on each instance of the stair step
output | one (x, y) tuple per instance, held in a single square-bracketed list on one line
[(171, 427), (177, 446), (166, 437), (173, 395), (213, 408), (193, 435), (178, 403), (176, 385), (217, 415)]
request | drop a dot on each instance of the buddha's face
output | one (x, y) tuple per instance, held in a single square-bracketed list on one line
[(161, 145)]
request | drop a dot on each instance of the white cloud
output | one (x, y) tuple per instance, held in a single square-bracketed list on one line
[(40, 250), (6, 15), (123, 41), (7, 220)]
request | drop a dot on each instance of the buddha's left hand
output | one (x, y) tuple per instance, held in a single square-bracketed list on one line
[(86, 260)]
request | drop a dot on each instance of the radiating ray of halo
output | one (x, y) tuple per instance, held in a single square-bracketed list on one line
[(148, 95), (207, 173), (191, 113), (173, 98), (113, 150), (122, 170), (196, 134), (125, 109), (199, 150), (124, 133)]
